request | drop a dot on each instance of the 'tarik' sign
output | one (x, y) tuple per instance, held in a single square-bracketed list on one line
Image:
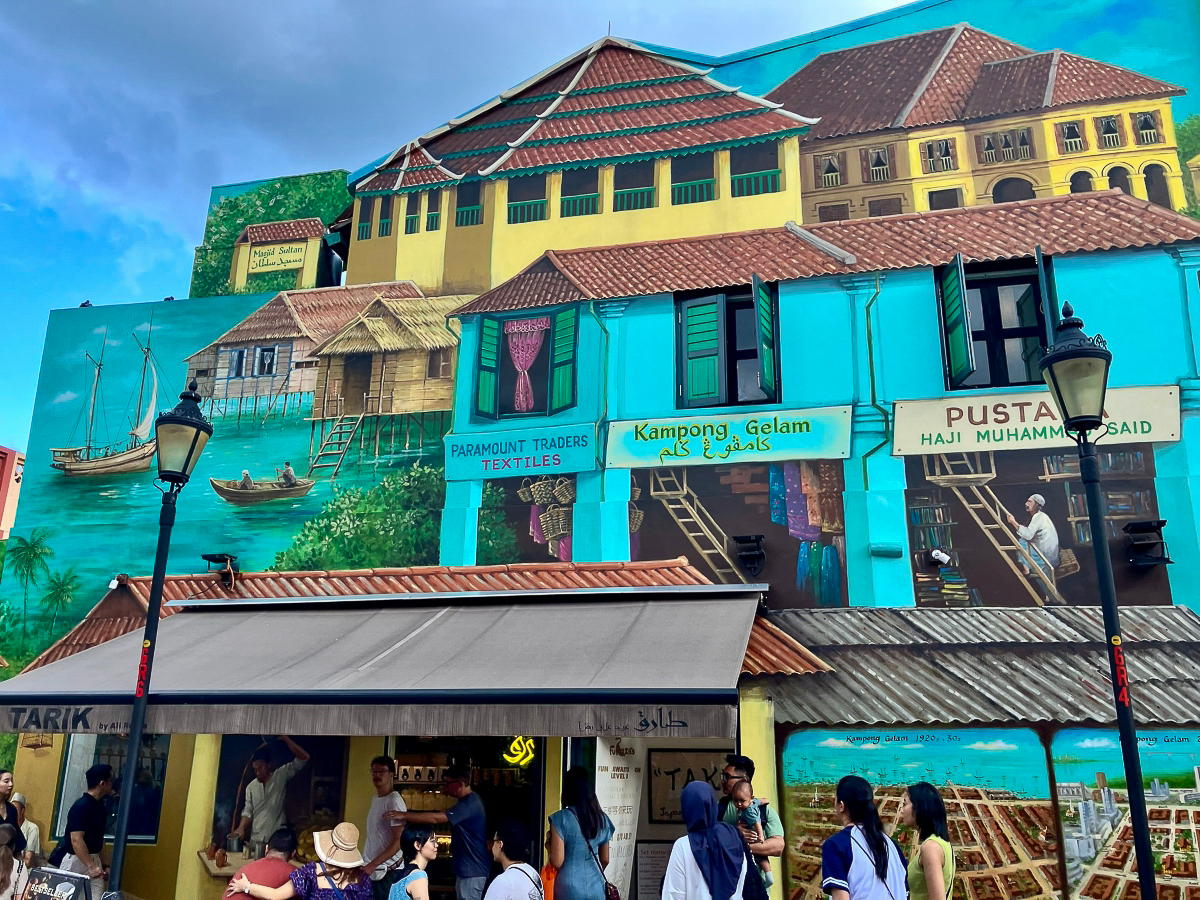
[(1028, 421)]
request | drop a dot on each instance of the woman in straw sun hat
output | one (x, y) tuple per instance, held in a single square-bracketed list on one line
[(338, 876)]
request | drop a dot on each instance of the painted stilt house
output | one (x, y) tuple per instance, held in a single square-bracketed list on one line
[(266, 360)]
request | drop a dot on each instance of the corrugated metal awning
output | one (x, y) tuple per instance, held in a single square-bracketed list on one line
[(658, 664)]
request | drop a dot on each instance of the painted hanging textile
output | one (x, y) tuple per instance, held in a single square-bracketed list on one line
[(810, 484), (777, 493), (535, 524), (831, 578), (815, 554), (564, 548), (803, 576), (635, 546), (829, 502), (799, 520), (525, 338)]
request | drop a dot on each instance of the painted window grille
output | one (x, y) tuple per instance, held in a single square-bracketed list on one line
[(580, 192), (1148, 130), (831, 174), (412, 214), (264, 360), (885, 206), (526, 199), (987, 149), (1024, 144), (692, 179), (1110, 134), (468, 204), (833, 212), (754, 170), (633, 185), (728, 347), (992, 321), (526, 366), (1072, 137), (433, 210), (939, 156), (366, 210), (880, 169), (385, 215), (1007, 150)]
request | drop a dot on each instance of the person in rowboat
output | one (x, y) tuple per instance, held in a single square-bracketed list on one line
[(247, 483), (289, 475)]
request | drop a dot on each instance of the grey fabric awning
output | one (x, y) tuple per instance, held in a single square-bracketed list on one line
[(661, 663)]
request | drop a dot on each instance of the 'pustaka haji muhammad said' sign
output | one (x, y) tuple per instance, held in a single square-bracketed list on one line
[(1028, 421), (712, 440)]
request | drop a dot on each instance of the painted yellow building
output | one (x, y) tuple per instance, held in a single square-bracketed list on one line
[(293, 246), (613, 143), (958, 117)]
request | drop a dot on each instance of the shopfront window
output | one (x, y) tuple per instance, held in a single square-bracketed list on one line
[(526, 366), (87, 750)]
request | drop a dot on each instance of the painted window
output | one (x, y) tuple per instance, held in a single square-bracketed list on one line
[(412, 213), (878, 164), (237, 363), (441, 363), (433, 210), (885, 206), (692, 179), (526, 199), (1004, 146), (1147, 127), (1071, 136), (633, 185), (385, 215), (947, 198), (366, 211), (833, 212), (1110, 131), (204, 373), (939, 156), (754, 169), (580, 192), (468, 204), (87, 750), (526, 366), (264, 360), (829, 168), (993, 324), (728, 351)]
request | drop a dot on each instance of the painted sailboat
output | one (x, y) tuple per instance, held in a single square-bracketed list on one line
[(124, 457)]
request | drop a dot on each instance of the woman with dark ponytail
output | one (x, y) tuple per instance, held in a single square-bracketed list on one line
[(860, 862), (931, 873)]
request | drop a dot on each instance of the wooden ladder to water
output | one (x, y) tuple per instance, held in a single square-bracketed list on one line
[(332, 452)]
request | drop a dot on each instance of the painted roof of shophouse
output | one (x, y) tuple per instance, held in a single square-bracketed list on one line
[(123, 608), (291, 230), (1103, 220), (315, 313), (388, 325), (612, 100), (988, 666), (948, 75)]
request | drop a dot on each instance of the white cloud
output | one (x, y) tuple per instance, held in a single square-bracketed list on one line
[(992, 746), (1097, 744), (834, 742), (64, 397)]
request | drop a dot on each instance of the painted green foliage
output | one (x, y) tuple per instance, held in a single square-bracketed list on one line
[(322, 195), (1187, 135), (395, 523), (27, 559)]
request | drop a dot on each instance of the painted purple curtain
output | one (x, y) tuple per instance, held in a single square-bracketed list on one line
[(525, 338)]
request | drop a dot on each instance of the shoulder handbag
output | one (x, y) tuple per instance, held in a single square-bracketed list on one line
[(610, 889)]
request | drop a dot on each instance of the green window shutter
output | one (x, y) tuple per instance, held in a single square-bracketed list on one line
[(1049, 296), (562, 360), (960, 352), (764, 310), (486, 385), (701, 339)]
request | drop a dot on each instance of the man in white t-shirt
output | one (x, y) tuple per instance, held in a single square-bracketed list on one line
[(519, 880), (383, 848), (263, 812)]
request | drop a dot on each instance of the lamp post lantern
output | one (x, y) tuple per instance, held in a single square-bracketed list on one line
[(1076, 371), (181, 435)]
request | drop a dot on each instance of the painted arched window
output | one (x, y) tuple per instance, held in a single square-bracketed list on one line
[(1081, 182), (1009, 189), (1157, 190)]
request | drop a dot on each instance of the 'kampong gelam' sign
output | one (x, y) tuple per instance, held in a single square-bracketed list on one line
[(712, 440), (1028, 421), (273, 257)]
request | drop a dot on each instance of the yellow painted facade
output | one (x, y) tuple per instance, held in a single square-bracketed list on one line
[(756, 722), (306, 274), (1048, 172), (474, 258)]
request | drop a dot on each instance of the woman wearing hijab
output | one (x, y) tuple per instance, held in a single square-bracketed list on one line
[(709, 862)]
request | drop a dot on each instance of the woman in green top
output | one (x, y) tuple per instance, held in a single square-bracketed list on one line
[(931, 871)]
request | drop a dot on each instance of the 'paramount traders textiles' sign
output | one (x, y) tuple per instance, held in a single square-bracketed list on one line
[(539, 451), (711, 440), (1028, 421)]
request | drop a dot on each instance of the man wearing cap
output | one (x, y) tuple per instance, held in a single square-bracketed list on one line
[(1040, 535), (263, 812), (33, 834)]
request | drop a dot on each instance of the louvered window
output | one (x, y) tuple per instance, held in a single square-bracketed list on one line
[(831, 175), (1148, 131), (880, 170), (1072, 133), (1007, 150), (1024, 144), (988, 151), (1110, 135)]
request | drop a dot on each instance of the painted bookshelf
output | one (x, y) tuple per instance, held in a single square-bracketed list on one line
[(1128, 489), (930, 524)]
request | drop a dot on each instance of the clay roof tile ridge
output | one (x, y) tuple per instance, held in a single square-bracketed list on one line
[(558, 264), (1051, 79), (845, 257), (906, 110)]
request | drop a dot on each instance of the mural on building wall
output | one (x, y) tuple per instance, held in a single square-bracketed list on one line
[(794, 506), (1001, 814), (1014, 526)]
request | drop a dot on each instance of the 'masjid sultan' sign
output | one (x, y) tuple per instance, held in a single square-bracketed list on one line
[(711, 440), (273, 257), (1028, 421)]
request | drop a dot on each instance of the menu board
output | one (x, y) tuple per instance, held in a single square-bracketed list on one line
[(652, 858)]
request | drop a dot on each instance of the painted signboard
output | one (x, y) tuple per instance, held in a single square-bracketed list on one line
[(273, 257), (739, 438), (673, 770), (620, 772), (1028, 421), (565, 448)]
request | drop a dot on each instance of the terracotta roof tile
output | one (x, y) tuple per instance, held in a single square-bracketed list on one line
[(950, 87), (641, 94), (1080, 80), (622, 65), (772, 651), (1107, 220), (1010, 86), (291, 230)]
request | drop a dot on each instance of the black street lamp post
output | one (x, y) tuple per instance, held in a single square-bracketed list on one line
[(1076, 371), (181, 435)]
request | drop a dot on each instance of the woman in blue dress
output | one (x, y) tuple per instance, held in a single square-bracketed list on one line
[(420, 847), (579, 836)]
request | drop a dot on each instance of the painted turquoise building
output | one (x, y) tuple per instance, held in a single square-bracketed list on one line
[(858, 331)]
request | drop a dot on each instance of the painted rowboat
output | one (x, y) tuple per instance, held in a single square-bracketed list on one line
[(262, 492)]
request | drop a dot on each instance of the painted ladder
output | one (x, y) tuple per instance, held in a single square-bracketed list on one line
[(332, 452), (970, 483), (696, 522)]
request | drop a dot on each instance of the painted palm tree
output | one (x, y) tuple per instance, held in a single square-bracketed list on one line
[(26, 558), (61, 589)]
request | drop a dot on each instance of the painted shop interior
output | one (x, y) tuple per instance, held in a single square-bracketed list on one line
[(662, 406)]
